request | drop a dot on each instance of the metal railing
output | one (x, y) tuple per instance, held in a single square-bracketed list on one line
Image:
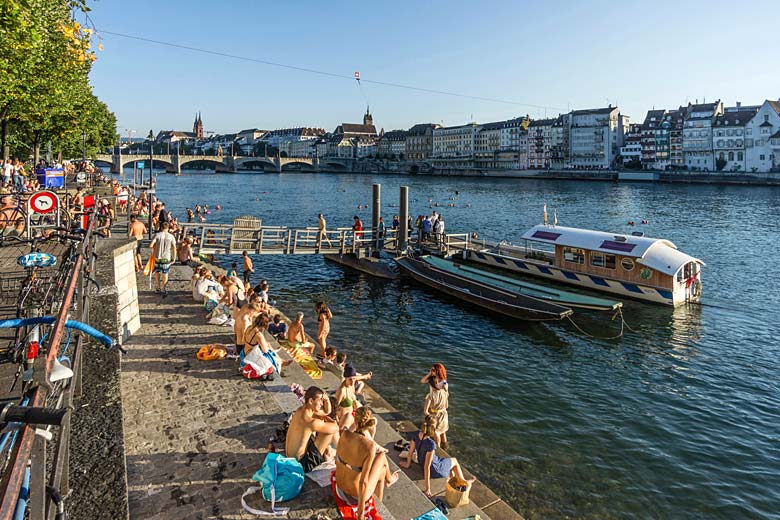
[(28, 465)]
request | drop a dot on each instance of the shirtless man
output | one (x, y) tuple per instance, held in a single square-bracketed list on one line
[(311, 431), (137, 230), (244, 317), (296, 334), (248, 267)]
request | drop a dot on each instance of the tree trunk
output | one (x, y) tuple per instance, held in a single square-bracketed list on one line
[(36, 149), (4, 137)]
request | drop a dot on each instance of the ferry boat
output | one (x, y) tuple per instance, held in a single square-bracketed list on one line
[(639, 267)]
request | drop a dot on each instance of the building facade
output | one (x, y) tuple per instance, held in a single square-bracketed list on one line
[(559, 141), (419, 141), (596, 137), (392, 145), (728, 140), (540, 143), (650, 127), (760, 133), (697, 135), (487, 144), (453, 146), (631, 151)]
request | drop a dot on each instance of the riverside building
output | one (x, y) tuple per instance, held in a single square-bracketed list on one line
[(697, 135), (419, 141), (453, 146), (540, 143), (762, 138), (596, 137)]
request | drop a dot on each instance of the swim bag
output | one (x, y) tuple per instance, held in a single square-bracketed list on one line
[(280, 479), (211, 352)]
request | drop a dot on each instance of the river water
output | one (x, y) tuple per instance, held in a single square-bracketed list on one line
[(678, 419)]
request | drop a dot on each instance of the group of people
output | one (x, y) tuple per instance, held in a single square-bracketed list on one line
[(320, 431), (430, 225), (200, 212)]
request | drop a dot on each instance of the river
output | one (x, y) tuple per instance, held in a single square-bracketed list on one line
[(676, 419)]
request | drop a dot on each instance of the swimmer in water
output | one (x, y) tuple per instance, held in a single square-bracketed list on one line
[(218, 207), (645, 221)]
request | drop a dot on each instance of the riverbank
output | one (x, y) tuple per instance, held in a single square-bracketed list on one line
[(193, 445)]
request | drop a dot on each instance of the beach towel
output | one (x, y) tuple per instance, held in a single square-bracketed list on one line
[(149, 267), (303, 358), (433, 514), (349, 512), (211, 352)]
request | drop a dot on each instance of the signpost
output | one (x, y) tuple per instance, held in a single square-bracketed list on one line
[(40, 204)]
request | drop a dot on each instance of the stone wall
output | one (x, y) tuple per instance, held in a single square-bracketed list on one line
[(114, 308)]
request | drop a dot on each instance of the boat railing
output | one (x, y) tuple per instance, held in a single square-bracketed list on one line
[(457, 240)]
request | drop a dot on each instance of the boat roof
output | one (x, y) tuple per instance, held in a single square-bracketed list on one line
[(657, 253)]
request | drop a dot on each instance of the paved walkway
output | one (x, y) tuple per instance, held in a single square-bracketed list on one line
[(195, 432)]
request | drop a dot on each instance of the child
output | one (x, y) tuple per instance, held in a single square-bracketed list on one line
[(329, 359), (233, 271)]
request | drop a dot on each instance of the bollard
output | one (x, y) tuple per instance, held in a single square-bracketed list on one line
[(376, 212), (403, 216)]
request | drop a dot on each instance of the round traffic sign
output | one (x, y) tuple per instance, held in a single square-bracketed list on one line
[(43, 202)]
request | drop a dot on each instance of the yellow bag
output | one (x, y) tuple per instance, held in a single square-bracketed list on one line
[(453, 496), (211, 352)]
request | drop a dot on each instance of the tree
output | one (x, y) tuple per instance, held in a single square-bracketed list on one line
[(720, 163)]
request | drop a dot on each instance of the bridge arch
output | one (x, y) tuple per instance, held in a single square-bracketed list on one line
[(335, 165), (297, 165), (204, 159), (249, 162)]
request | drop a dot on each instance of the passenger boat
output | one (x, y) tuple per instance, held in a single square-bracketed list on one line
[(540, 292), (490, 298), (649, 269)]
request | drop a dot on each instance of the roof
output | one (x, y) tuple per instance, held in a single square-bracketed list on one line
[(354, 128), (395, 135), (542, 122), (654, 116), (776, 135), (493, 126), (774, 104), (422, 128), (591, 111), (703, 107), (655, 253), (734, 118)]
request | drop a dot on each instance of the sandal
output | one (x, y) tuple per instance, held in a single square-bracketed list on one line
[(401, 445)]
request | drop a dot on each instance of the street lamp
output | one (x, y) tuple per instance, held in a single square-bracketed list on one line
[(150, 189), (83, 146)]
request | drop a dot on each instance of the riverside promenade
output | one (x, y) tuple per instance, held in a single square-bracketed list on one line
[(196, 431)]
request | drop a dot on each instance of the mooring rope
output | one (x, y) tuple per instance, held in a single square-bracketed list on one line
[(623, 326)]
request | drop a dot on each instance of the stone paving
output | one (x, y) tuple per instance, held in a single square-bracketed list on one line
[(195, 431)]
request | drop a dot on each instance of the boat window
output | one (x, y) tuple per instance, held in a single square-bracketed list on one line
[(627, 264), (602, 260), (574, 255)]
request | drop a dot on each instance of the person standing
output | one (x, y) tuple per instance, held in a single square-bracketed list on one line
[(437, 401), (438, 231), (164, 250), (137, 230), (323, 317), (396, 223), (248, 267), (381, 231), (322, 231), (357, 228), (8, 170)]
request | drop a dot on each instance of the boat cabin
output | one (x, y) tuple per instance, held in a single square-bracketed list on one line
[(637, 266)]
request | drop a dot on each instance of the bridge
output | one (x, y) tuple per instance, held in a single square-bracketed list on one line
[(226, 163)]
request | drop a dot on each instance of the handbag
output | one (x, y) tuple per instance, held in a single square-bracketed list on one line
[(260, 364), (280, 479), (453, 495)]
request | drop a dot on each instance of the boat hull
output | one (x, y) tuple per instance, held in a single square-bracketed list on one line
[(540, 292), (513, 305), (594, 283)]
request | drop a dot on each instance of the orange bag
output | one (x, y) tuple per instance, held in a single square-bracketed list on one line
[(211, 352)]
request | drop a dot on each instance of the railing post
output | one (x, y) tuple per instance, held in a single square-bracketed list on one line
[(404, 217), (376, 212)]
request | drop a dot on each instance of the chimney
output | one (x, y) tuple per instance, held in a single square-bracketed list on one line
[(739, 104)]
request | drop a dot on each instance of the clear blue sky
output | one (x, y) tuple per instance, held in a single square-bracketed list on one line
[(561, 54)]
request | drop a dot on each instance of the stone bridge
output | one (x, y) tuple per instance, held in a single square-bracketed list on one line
[(227, 163)]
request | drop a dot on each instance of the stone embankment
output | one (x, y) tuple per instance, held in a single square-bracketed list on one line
[(196, 431)]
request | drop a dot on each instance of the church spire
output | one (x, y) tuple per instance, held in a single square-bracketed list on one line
[(367, 118)]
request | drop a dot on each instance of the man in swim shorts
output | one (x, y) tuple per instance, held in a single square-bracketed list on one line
[(312, 431), (137, 230), (164, 250)]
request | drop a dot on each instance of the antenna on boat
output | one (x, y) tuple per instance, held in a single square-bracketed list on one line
[(555, 218), (545, 213)]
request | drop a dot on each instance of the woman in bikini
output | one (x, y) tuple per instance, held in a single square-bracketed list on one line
[(254, 337), (323, 316), (346, 399), (361, 467)]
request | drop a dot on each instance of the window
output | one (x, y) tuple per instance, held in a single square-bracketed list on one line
[(602, 260), (739, 156), (574, 255), (627, 264), (731, 156), (761, 157)]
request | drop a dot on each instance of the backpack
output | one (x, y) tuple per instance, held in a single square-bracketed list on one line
[(280, 479)]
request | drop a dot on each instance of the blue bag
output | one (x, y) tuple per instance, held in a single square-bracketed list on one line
[(280, 478)]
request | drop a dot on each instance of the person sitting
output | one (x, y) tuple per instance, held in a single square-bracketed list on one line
[(328, 359), (233, 271), (346, 396), (312, 431), (278, 328), (361, 467), (185, 252), (433, 466), (296, 335)]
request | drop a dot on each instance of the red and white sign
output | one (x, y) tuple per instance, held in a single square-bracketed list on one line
[(357, 76), (44, 202)]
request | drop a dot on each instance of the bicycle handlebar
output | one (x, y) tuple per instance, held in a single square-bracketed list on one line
[(32, 415)]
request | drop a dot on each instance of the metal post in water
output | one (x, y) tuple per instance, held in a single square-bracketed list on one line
[(403, 232), (376, 212)]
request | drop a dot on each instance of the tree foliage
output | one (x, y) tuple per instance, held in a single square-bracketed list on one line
[(45, 96)]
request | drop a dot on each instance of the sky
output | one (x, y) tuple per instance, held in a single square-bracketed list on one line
[(528, 57)]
